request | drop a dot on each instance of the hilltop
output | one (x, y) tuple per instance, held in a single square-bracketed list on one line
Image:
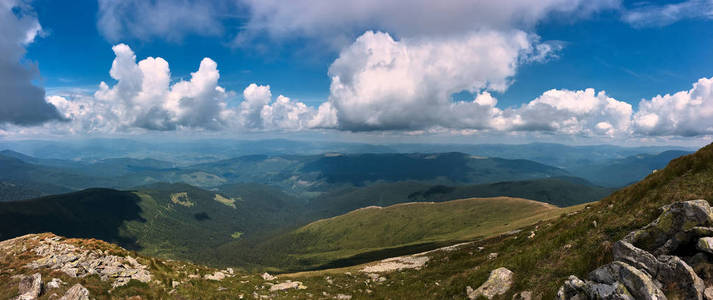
[(376, 232)]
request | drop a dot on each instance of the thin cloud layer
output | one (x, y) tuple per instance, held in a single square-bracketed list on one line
[(21, 101), (332, 19), (650, 15), (166, 19)]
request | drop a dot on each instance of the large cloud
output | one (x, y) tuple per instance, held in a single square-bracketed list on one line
[(583, 112), (144, 98), (379, 83), (21, 101), (686, 113)]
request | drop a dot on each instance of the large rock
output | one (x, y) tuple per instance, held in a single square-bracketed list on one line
[(498, 283), (673, 227), (677, 275), (628, 253), (76, 292), (638, 283), (30, 287), (619, 280)]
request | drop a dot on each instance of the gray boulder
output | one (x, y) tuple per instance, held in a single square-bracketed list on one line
[(628, 253), (674, 227), (677, 275)]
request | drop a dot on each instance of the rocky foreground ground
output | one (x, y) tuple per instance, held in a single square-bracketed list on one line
[(668, 258)]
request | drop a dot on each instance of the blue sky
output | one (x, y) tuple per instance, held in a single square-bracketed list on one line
[(558, 58)]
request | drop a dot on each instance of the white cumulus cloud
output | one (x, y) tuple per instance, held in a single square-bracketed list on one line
[(583, 112), (685, 113), (379, 83)]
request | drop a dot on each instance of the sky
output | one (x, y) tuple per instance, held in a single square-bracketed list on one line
[(571, 71)]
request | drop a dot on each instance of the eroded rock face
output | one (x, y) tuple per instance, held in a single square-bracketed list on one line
[(498, 283), (647, 263)]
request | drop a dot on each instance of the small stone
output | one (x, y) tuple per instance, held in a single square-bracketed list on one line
[(493, 255), (287, 285), (343, 297), (524, 295), (267, 276), (55, 283), (76, 292), (217, 276)]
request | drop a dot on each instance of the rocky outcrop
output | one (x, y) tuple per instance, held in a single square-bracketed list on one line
[(498, 283), (77, 262), (654, 260)]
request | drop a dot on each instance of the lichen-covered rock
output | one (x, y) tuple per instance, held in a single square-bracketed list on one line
[(677, 275), (638, 283), (30, 287), (628, 253), (674, 227), (636, 273), (76, 292), (619, 280), (498, 283)]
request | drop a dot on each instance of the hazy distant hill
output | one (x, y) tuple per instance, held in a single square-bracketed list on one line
[(625, 171), (560, 191), (322, 172)]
